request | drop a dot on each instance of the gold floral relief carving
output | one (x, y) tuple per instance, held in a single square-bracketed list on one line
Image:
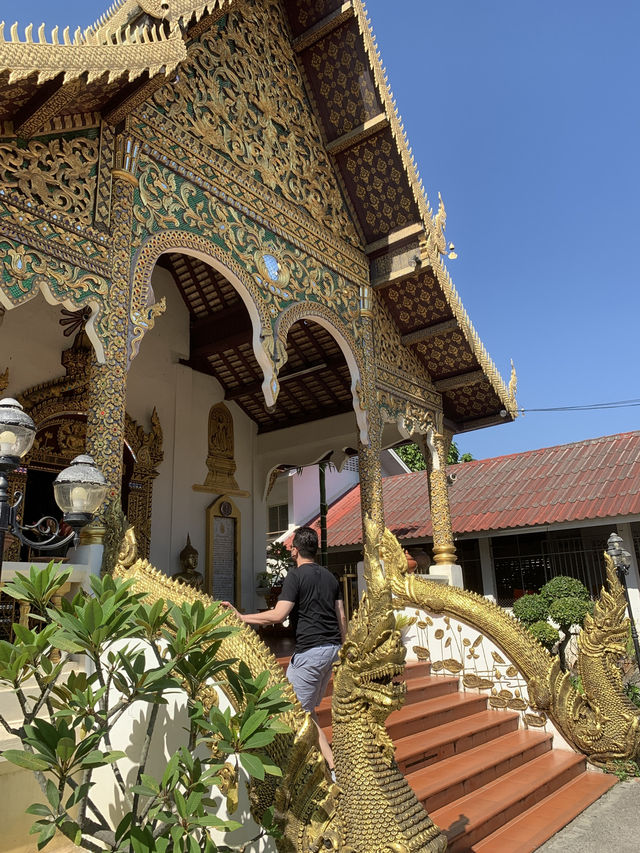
[(58, 172), (241, 92), (454, 648)]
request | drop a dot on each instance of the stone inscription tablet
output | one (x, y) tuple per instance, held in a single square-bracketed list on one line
[(224, 558)]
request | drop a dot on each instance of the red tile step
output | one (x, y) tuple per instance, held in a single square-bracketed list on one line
[(469, 819), (530, 830), (428, 747), (461, 774), (411, 719)]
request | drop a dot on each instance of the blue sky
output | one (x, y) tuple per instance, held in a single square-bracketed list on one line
[(524, 116)]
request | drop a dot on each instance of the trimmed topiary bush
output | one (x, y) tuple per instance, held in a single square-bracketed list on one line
[(564, 587), (544, 633), (567, 612), (530, 609)]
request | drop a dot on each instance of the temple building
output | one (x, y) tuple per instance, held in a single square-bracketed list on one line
[(219, 263)]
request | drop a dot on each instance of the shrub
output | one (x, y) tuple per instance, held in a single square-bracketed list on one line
[(136, 654), (544, 633), (530, 609), (564, 587), (569, 611)]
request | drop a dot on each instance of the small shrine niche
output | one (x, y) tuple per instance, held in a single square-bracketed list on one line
[(221, 463)]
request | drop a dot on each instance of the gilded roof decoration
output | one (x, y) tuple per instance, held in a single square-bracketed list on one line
[(129, 53), (240, 91), (59, 172)]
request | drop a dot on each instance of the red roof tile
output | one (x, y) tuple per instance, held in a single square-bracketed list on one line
[(597, 478)]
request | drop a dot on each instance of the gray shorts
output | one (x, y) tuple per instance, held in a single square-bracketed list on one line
[(309, 673)]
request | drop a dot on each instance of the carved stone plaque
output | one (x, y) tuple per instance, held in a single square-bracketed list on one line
[(222, 580)]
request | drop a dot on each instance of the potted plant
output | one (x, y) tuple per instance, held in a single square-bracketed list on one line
[(278, 562)]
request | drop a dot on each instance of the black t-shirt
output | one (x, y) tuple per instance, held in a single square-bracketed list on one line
[(314, 592)]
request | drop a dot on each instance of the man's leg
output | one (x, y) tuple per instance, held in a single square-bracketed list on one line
[(309, 673)]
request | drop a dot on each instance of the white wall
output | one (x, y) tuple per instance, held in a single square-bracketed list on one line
[(183, 399), (31, 343)]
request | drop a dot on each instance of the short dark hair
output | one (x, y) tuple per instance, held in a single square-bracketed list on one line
[(305, 539)]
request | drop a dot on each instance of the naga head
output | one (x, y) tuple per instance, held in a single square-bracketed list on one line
[(607, 630), (371, 662)]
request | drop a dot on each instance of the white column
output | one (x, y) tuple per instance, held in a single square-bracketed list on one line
[(633, 578), (486, 565), (181, 475)]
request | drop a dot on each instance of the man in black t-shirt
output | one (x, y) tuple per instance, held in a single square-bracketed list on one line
[(312, 597)]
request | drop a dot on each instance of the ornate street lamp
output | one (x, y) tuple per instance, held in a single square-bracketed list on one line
[(622, 560), (79, 490)]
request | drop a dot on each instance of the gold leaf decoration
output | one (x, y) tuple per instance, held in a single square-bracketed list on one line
[(535, 721), (439, 634), (452, 665), (421, 653), (512, 671), (437, 666), (506, 694), (448, 643), (470, 679), (497, 702), (422, 625), (477, 641), (517, 705), (466, 642), (497, 657)]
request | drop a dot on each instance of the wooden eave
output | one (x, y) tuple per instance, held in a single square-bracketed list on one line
[(106, 71)]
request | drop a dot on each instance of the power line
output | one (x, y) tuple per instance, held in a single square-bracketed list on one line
[(619, 404)]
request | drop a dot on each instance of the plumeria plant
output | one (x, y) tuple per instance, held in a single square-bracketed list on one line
[(70, 715)]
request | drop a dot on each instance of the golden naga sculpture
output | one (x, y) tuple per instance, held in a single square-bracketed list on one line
[(373, 810), (599, 720), (379, 811)]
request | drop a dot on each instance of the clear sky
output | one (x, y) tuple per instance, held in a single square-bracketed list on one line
[(525, 117)]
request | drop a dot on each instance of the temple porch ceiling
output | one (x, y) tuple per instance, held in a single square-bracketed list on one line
[(315, 381)]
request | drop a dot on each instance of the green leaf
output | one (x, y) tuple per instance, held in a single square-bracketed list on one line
[(52, 794), (38, 809), (25, 759), (79, 794), (72, 831), (46, 835), (252, 724), (65, 748), (258, 740), (252, 765)]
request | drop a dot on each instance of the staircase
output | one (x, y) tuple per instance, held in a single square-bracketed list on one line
[(489, 785)]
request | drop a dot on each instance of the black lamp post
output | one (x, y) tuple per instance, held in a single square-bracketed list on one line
[(79, 490), (622, 560)]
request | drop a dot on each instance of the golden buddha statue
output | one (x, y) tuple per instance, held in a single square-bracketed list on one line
[(189, 573)]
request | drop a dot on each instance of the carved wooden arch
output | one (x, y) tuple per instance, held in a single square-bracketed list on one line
[(215, 256), (343, 336), (60, 282), (62, 404)]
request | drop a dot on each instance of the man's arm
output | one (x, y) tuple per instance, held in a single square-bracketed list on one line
[(268, 617), (342, 619)]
